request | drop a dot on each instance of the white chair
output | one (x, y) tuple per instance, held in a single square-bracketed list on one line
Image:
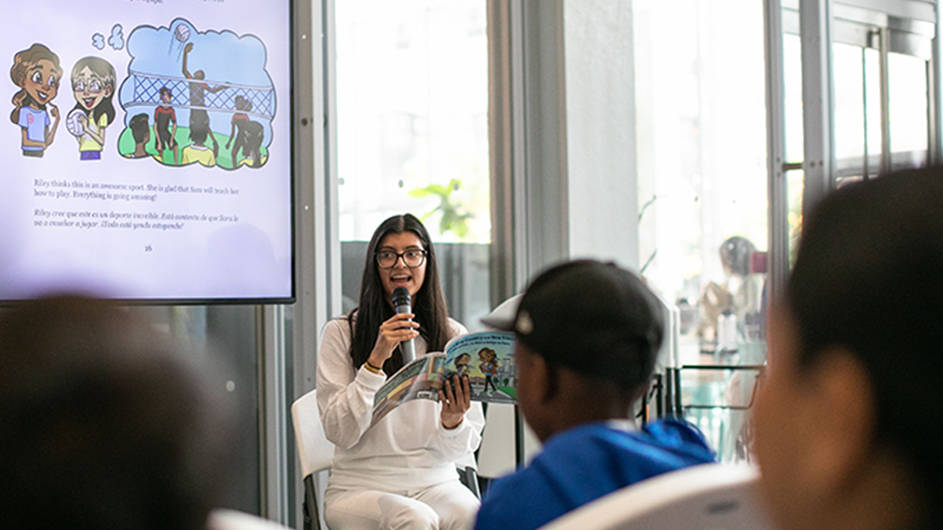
[(314, 451), (704, 497), (233, 520)]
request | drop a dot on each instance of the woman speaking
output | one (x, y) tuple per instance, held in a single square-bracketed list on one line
[(399, 473)]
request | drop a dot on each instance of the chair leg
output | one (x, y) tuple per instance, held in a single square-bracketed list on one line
[(312, 518), (469, 477)]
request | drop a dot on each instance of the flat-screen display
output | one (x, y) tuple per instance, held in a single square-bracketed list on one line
[(146, 149)]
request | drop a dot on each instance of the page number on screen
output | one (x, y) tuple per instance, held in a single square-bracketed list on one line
[(148, 248)]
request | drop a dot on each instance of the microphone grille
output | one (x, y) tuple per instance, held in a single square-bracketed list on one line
[(401, 293)]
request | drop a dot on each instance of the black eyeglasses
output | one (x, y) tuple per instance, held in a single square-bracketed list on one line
[(413, 258)]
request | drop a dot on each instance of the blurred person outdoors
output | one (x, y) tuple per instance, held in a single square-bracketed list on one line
[(741, 294)]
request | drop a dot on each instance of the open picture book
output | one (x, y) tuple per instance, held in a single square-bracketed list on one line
[(486, 357)]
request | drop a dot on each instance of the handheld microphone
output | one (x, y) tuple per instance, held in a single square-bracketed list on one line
[(403, 303)]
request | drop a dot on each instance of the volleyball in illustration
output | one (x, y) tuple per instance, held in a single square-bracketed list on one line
[(182, 32), (180, 38), (73, 122)]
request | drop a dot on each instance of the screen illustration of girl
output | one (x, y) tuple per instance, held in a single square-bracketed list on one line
[(488, 366), (93, 84), (37, 72)]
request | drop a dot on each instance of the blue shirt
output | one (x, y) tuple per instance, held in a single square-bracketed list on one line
[(35, 123), (584, 463)]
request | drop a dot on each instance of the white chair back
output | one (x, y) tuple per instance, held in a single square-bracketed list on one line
[(233, 520), (704, 497), (314, 450)]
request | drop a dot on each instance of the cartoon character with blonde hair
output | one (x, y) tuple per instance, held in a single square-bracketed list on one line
[(37, 72)]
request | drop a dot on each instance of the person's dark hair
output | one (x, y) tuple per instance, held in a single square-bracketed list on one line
[(199, 128), (867, 279), (103, 425), (138, 126), (735, 254), (243, 104), (164, 90), (428, 304)]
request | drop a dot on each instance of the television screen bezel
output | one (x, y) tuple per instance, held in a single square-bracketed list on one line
[(297, 34)]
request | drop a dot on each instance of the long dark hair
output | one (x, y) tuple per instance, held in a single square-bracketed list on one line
[(867, 279), (428, 304)]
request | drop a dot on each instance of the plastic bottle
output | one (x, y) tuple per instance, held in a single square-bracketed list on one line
[(727, 332)]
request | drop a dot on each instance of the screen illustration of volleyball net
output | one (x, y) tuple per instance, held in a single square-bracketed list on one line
[(147, 88), (235, 119)]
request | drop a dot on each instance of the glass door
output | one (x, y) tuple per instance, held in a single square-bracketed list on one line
[(412, 115), (701, 130), (881, 72)]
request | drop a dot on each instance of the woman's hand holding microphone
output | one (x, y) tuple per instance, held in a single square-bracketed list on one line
[(395, 330)]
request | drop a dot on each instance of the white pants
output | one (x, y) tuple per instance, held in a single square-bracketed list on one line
[(448, 506)]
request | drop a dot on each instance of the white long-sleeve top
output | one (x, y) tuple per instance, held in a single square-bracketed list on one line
[(409, 449)]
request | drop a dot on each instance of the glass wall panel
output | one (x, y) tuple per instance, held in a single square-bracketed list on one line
[(849, 88), (794, 137), (224, 338), (907, 109), (792, 104), (412, 105), (700, 74), (872, 87)]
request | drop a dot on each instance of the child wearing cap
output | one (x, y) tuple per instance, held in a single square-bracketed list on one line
[(587, 336)]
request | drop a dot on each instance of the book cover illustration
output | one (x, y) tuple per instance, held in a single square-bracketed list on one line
[(486, 357), (420, 379)]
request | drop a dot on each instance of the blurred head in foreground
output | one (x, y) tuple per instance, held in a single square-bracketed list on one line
[(103, 424), (848, 425)]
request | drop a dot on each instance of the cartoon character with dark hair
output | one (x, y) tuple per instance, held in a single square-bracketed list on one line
[(37, 72), (141, 133), (239, 120), (164, 116), (250, 142), (93, 84), (488, 366), (198, 89), (462, 364), (198, 151)]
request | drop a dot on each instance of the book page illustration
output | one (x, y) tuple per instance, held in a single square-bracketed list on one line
[(420, 379), (487, 358)]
